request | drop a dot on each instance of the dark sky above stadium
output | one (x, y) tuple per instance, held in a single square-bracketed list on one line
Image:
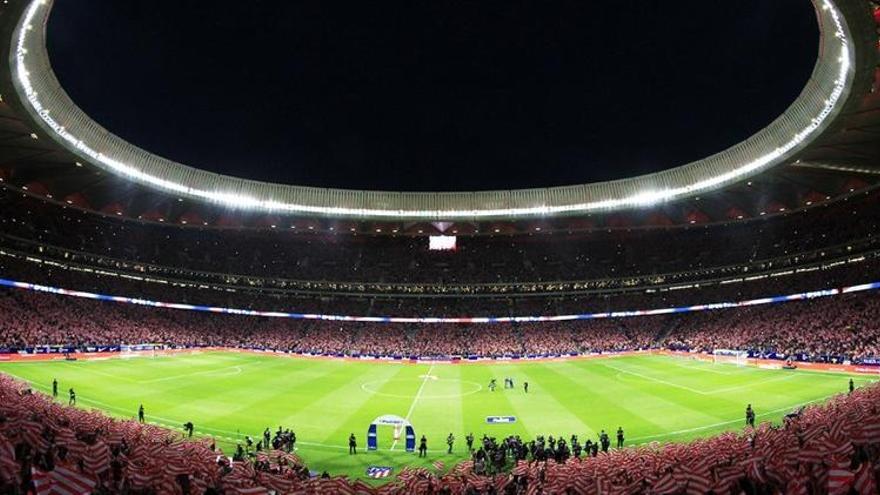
[(433, 95)]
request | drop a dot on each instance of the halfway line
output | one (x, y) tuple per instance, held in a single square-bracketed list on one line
[(416, 399)]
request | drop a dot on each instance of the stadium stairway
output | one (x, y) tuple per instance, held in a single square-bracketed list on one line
[(667, 329)]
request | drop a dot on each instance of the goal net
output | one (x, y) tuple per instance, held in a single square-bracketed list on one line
[(730, 356), (139, 350), (127, 352)]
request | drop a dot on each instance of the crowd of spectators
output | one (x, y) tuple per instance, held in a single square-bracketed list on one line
[(33, 320), (341, 257), (830, 329), (833, 274)]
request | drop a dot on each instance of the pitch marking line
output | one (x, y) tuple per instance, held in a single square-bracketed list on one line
[(416, 399), (419, 393), (754, 384), (368, 388), (108, 375), (703, 369), (235, 370), (651, 378)]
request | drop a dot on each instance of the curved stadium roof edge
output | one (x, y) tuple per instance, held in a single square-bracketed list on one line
[(842, 51)]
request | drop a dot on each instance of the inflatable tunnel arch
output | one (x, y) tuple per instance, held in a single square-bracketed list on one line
[(396, 422)]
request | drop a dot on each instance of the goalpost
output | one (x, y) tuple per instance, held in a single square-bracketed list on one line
[(730, 356), (139, 350), (127, 352)]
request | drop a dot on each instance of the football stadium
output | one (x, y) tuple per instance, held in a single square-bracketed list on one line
[(707, 326)]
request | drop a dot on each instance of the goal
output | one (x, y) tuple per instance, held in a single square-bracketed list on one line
[(140, 350), (127, 352), (730, 356)]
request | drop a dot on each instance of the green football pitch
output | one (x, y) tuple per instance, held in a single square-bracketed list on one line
[(228, 395)]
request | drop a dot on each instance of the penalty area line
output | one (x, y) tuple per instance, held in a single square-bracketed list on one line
[(221, 372), (657, 380), (412, 406), (754, 384)]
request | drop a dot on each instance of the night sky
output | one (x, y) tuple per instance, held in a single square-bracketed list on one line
[(433, 95)]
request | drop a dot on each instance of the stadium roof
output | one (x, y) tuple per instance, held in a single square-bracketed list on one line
[(830, 129)]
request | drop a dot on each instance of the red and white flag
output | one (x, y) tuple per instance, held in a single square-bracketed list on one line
[(97, 458), (254, 490), (68, 482), (864, 482), (42, 482), (840, 477)]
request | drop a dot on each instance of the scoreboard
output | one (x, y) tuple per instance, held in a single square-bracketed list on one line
[(442, 243)]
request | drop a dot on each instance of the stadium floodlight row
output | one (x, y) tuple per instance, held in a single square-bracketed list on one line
[(432, 320), (827, 92)]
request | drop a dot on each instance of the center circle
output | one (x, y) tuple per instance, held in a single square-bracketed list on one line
[(372, 387)]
